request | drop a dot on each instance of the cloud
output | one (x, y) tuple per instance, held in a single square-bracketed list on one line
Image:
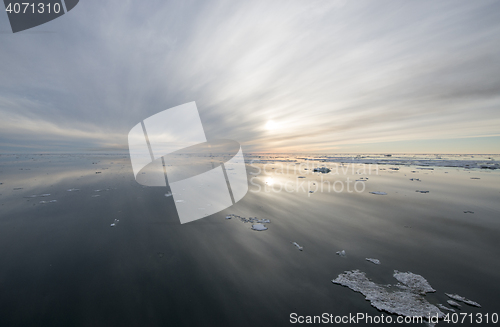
[(332, 73)]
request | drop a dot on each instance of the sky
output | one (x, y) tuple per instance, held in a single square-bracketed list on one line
[(330, 76)]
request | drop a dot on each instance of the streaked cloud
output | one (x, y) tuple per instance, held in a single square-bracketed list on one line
[(333, 75)]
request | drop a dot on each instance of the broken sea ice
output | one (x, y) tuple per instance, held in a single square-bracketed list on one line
[(259, 227), (462, 299), (378, 193), (375, 261), (404, 302), (298, 246)]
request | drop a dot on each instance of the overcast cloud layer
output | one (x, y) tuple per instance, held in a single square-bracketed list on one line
[(332, 75)]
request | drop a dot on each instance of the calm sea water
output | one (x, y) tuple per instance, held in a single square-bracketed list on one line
[(61, 264)]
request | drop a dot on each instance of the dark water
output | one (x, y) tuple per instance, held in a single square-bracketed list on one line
[(61, 264)]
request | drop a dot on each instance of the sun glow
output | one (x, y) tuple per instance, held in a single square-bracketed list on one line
[(271, 125)]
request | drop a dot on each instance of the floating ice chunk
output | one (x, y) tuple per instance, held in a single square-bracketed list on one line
[(405, 302), (440, 306), (168, 194), (341, 253), (375, 261), (468, 211), (115, 223), (179, 201), (301, 177), (51, 201), (462, 299), (97, 190), (298, 246), (73, 190), (311, 191), (37, 196), (378, 193), (323, 170), (264, 221), (422, 191), (453, 304), (415, 282), (259, 227)]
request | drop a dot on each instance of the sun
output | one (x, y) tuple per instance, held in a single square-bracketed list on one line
[(271, 125)]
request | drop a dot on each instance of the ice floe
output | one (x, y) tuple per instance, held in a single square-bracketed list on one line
[(254, 220), (51, 201), (73, 190), (378, 193), (421, 191), (341, 253), (402, 302), (37, 196), (453, 303), (462, 299), (259, 227), (375, 261), (440, 306), (415, 282), (115, 223), (168, 194), (298, 246), (323, 170)]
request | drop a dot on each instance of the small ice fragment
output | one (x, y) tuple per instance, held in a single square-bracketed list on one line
[(259, 227), (52, 201), (323, 170), (73, 190), (413, 281), (311, 191), (301, 177), (440, 306), (468, 211), (375, 261), (264, 221), (97, 190), (378, 193), (464, 300), (298, 246), (178, 201), (168, 194), (453, 304), (341, 253), (229, 217), (422, 191), (114, 224), (37, 196)]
